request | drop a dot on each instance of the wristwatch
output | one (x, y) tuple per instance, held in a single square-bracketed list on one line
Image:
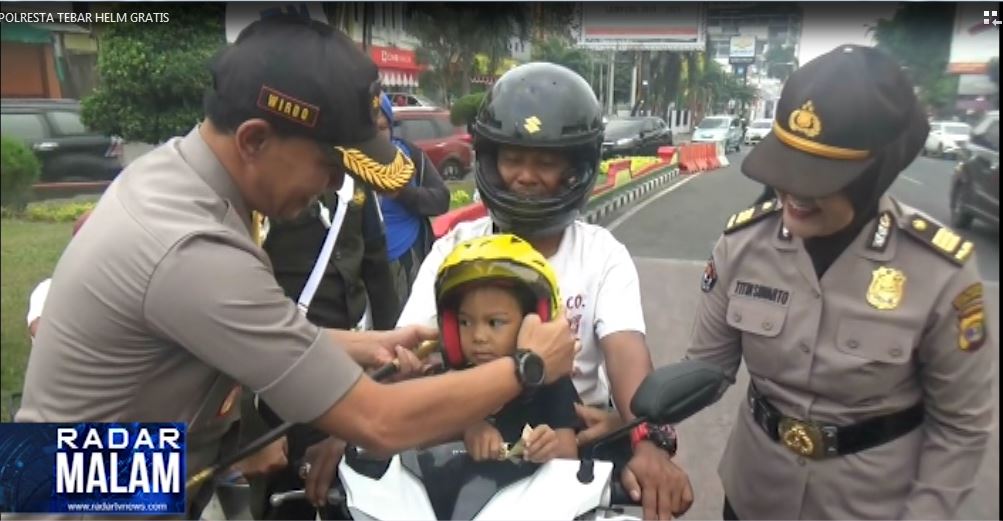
[(663, 436), (528, 370)]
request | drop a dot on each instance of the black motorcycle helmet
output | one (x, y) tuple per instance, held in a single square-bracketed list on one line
[(538, 105)]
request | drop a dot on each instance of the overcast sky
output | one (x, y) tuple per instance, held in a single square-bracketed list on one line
[(826, 25)]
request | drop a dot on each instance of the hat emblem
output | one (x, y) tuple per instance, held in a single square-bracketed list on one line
[(805, 121)]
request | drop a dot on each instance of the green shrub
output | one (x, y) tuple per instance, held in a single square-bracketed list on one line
[(61, 212), (19, 169), (465, 109), (459, 198)]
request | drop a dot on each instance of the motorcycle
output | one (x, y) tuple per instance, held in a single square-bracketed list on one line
[(443, 482)]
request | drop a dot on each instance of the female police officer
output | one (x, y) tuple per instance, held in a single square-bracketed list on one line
[(165, 305), (860, 320)]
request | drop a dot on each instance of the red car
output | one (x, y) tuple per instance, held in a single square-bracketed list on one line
[(447, 146)]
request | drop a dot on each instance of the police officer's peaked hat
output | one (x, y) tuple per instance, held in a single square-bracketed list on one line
[(837, 117), (311, 80)]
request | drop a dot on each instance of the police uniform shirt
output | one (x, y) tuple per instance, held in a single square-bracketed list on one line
[(895, 321), (165, 306)]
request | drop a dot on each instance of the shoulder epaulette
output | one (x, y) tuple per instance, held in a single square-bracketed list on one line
[(751, 215), (939, 238)]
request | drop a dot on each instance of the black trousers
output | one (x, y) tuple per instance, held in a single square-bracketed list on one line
[(300, 438)]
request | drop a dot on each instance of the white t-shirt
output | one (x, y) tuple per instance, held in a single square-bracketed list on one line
[(37, 300), (598, 283)]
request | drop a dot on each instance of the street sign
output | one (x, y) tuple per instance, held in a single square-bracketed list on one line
[(742, 50)]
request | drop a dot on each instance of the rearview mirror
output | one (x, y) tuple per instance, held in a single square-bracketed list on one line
[(675, 392)]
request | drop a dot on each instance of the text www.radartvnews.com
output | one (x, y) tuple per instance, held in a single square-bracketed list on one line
[(115, 506)]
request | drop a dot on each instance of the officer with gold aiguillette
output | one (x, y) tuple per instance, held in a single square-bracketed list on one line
[(860, 320)]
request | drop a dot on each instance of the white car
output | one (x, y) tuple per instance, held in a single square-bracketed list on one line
[(757, 130), (946, 138)]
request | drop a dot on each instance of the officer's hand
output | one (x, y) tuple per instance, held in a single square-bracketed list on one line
[(322, 461), (483, 442), (407, 336), (663, 488), (409, 365), (267, 460), (597, 423), (552, 341)]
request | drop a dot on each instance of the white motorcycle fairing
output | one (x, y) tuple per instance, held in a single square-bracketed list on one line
[(552, 491)]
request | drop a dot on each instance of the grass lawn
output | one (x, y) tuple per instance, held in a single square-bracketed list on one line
[(28, 254)]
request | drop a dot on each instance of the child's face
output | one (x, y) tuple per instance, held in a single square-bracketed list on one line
[(489, 320)]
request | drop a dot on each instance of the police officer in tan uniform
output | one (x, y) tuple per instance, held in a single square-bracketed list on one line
[(166, 305), (860, 320)]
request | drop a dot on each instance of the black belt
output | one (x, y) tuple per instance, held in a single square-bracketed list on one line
[(817, 441)]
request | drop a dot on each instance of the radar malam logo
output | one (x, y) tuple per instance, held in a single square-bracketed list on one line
[(93, 467)]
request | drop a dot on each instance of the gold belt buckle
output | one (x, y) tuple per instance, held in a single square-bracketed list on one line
[(802, 438)]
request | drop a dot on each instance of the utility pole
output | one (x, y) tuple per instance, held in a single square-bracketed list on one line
[(611, 90)]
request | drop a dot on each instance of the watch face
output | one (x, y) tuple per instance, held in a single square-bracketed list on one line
[(532, 369)]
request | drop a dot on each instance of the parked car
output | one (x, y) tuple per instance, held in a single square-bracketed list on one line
[(68, 150), (720, 129), (448, 146), (946, 138), (757, 130), (406, 99), (641, 136), (975, 187)]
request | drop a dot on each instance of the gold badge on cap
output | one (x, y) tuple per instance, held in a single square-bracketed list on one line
[(919, 225), (887, 287), (532, 124), (805, 121)]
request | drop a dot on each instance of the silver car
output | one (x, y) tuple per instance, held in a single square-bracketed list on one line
[(726, 130)]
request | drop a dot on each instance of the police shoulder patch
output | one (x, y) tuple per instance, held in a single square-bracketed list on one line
[(939, 238), (751, 215)]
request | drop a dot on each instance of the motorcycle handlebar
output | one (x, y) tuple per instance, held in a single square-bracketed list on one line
[(334, 496)]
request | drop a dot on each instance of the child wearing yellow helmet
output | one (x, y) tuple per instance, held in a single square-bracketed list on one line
[(483, 290)]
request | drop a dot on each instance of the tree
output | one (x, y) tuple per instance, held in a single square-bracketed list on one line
[(557, 50), (919, 36), (666, 77), (450, 35), (780, 62), (153, 76)]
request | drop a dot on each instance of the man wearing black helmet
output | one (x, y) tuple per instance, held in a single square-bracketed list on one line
[(860, 320), (537, 137)]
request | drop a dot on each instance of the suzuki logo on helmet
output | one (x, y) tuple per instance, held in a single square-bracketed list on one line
[(532, 124)]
